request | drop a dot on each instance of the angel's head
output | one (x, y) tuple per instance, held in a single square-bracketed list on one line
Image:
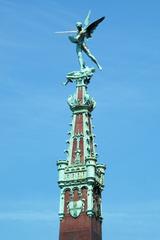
[(79, 26)]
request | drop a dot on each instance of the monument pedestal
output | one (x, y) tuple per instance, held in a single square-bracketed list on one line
[(81, 177), (82, 228)]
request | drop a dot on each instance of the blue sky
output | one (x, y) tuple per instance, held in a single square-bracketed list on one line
[(34, 115)]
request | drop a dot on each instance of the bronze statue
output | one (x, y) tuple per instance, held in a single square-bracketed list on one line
[(82, 34)]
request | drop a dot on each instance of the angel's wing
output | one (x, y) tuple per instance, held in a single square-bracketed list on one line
[(92, 27), (86, 21)]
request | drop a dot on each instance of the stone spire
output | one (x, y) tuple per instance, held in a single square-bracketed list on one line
[(81, 141), (81, 177)]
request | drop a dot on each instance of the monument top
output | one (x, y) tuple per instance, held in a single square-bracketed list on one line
[(81, 35)]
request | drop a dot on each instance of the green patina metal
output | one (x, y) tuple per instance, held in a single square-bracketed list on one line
[(82, 34), (88, 173)]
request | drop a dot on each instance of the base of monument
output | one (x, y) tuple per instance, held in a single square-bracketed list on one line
[(84, 74), (81, 228)]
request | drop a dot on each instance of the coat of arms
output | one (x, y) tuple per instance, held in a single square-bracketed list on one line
[(75, 208)]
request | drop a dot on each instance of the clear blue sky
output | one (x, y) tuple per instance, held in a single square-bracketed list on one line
[(34, 115)]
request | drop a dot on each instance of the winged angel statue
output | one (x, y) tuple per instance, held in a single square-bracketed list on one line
[(82, 34)]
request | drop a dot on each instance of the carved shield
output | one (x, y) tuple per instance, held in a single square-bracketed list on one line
[(75, 208)]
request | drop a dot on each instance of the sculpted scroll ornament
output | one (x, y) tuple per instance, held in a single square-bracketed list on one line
[(88, 102), (72, 101)]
